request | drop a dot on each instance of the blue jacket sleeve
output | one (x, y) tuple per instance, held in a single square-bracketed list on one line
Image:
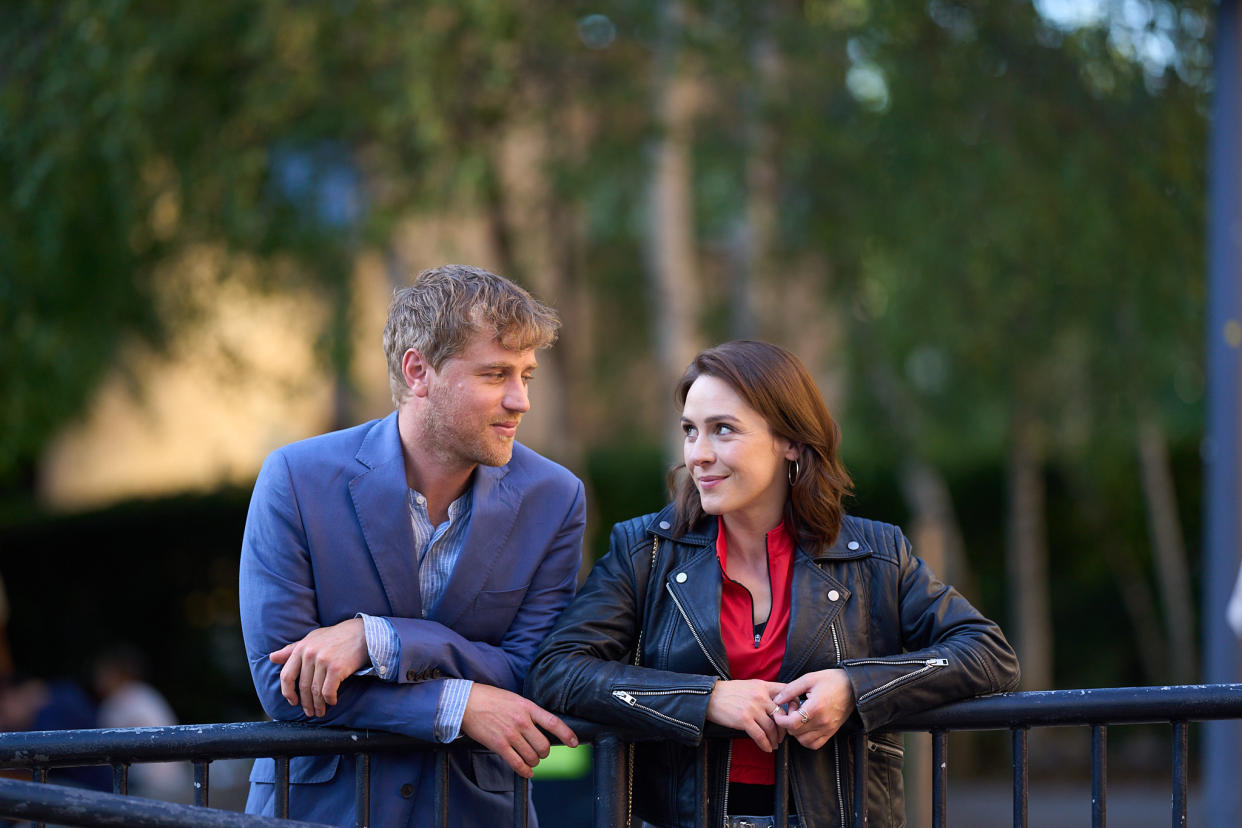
[(278, 605)]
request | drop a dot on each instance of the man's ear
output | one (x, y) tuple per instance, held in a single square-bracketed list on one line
[(415, 371)]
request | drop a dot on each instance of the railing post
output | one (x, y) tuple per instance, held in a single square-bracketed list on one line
[(1180, 774), (362, 791), (1099, 776), (860, 780), (521, 801), (282, 786), (120, 778), (781, 798), (612, 806), (1019, 776), (441, 801), (201, 779), (940, 779)]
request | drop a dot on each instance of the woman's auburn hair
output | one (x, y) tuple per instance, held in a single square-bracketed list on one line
[(774, 382)]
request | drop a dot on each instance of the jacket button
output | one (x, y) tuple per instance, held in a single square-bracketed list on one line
[(409, 675), (681, 578), (852, 546), (664, 524), (436, 673), (407, 790), (833, 595)]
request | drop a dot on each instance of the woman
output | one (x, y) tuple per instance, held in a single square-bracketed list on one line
[(753, 602)]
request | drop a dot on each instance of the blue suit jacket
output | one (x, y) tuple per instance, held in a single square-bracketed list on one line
[(328, 535)]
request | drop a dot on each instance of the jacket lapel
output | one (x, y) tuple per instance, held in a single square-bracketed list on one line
[(379, 496), (495, 503), (696, 583), (812, 611)]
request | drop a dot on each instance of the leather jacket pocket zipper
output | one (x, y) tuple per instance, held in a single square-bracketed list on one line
[(629, 697), (924, 665)]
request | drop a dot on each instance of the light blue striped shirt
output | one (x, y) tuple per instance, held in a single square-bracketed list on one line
[(437, 549)]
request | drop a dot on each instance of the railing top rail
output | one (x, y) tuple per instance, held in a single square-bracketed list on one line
[(1113, 705)]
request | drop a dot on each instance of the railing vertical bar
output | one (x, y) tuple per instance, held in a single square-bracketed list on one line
[(1099, 776), (39, 775), (860, 780), (441, 800), (521, 800), (362, 791), (1180, 774), (282, 787), (612, 808), (1019, 776), (202, 777), (703, 780), (940, 779), (120, 778), (781, 796)]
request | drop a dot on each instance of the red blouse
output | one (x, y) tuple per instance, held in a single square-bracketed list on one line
[(754, 656)]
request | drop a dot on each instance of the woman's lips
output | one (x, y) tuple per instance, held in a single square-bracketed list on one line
[(709, 481)]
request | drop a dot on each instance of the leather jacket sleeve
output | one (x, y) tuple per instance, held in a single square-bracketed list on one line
[(585, 666), (950, 650)]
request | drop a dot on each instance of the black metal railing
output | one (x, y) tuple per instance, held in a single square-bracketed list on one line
[(1095, 709)]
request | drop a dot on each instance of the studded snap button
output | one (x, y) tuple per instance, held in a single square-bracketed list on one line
[(681, 578), (852, 546), (833, 595), (407, 790), (664, 524)]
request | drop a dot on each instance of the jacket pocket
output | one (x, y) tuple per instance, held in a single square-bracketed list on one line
[(491, 773), (303, 770)]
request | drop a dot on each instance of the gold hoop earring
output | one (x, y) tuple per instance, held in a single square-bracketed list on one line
[(793, 471)]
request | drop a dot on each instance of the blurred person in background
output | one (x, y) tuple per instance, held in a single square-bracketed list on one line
[(755, 603), (399, 575), (127, 700)]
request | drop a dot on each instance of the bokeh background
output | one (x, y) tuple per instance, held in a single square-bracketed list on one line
[(980, 222)]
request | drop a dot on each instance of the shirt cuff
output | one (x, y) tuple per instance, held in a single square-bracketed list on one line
[(383, 646), (451, 709)]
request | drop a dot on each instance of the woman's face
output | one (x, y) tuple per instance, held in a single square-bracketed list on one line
[(737, 463)]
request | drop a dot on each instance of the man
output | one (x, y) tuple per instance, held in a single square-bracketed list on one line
[(399, 575)]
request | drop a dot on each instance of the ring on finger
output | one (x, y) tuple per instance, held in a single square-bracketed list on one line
[(805, 718)]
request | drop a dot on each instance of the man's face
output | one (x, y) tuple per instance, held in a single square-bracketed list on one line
[(475, 402)]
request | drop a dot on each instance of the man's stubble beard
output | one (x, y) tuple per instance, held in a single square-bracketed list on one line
[(458, 442)]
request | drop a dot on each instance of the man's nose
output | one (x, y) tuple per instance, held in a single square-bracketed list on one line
[(517, 397)]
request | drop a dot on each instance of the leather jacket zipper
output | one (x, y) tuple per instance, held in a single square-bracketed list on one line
[(924, 665), (836, 740), (628, 698)]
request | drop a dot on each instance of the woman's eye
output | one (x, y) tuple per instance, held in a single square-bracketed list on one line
[(689, 429), (724, 429)]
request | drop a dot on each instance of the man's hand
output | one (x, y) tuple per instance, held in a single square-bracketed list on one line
[(829, 702), (747, 705), (315, 666), (508, 725)]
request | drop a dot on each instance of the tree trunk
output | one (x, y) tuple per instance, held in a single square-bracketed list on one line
[(1027, 556), (670, 237), (1169, 551)]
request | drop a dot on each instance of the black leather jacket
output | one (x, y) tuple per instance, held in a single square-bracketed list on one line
[(907, 642)]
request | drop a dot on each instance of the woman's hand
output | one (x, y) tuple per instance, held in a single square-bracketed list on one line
[(746, 705), (829, 702)]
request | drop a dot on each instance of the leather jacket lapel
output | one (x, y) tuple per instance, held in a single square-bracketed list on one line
[(379, 496), (695, 584), (493, 512), (812, 613)]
